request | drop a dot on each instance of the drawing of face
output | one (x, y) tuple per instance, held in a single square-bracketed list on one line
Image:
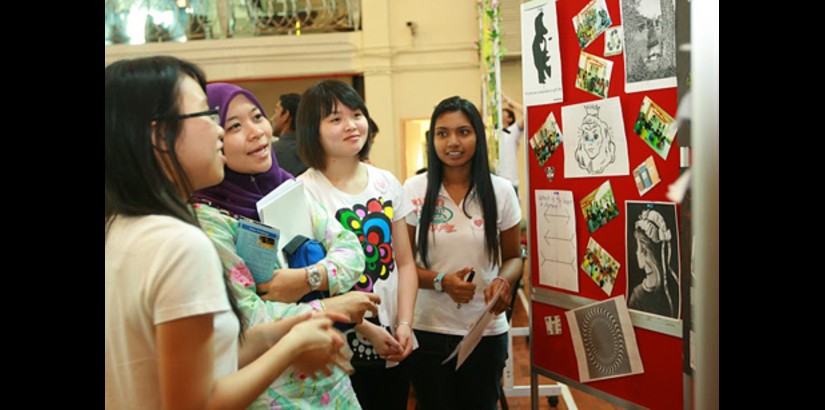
[(648, 263), (593, 136)]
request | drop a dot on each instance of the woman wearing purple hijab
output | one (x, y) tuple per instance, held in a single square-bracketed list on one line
[(252, 171)]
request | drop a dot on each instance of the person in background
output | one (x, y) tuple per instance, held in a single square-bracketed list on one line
[(174, 337), (466, 220), (283, 126), (252, 171), (332, 139), (509, 141)]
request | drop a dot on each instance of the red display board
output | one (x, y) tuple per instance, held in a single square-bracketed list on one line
[(660, 386)]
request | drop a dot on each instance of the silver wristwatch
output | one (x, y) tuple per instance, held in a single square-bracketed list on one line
[(313, 277)]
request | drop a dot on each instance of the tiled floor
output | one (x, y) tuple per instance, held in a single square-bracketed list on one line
[(521, 354)]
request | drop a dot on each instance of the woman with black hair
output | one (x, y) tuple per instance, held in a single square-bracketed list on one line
[(466, 220)]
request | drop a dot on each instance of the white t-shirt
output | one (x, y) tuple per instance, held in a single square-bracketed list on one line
[(158, 269), (507, 148), (456, 242), (369, 214)]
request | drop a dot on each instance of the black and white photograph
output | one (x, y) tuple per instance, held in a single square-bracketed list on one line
[(604, 341), (540, 59), (649, 44), (653, 277)]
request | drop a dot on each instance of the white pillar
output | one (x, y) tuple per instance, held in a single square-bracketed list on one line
[(705, 138)]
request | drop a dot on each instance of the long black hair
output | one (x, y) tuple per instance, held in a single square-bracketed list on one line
[(479, 179), (137, 93)]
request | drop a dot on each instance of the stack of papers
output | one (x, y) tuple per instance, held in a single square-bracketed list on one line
[(285, 208)]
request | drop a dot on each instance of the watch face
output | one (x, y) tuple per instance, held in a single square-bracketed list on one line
[(313, 277)]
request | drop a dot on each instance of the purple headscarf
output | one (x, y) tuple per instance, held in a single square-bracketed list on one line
[(239, 192)]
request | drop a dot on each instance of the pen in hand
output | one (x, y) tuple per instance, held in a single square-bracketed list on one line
[(469, 278)]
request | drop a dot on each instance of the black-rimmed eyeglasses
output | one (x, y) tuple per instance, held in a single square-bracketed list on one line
[(213, 114)]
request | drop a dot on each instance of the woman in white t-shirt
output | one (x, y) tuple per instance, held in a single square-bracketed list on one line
[(466, 220), (332, 139), (172, 332)]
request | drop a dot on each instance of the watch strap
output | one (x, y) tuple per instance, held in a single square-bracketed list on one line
[(437, 282)]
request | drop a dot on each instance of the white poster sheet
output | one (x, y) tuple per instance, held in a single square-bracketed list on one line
[(556, 239)]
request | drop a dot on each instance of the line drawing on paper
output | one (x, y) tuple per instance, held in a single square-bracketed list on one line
[(595, 149), (596, 130), (556, 231)]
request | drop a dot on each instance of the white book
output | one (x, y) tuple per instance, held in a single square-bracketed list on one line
[(285, 208)]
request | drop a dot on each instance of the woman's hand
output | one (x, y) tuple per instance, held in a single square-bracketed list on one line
[(287, 286), (381, 340), (503, 301), (457, 288), (403, 335), (320, 347), (354, 304)]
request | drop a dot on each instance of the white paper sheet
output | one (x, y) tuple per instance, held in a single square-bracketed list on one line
[(604, 340), (556, 239), (540, 57), (594, 140), (469, 342)]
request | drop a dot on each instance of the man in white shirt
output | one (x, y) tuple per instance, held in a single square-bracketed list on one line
[(509, 141)]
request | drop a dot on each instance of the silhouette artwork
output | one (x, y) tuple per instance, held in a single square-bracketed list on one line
[(541, 78), (541, 53)]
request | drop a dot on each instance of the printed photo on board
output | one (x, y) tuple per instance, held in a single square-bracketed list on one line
[(545, 141), (613, 40), (656, 127), (593, 75), (653, 280), (600, 266), (591, 21), (646, 176), (599, 207)]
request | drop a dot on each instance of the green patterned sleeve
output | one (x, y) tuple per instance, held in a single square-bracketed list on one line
[(345, 258), (222, 230)]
